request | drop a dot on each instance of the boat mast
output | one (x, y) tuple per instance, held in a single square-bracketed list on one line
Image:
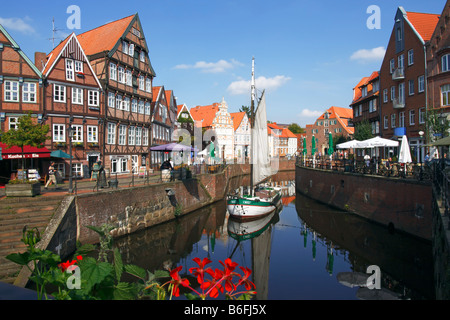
[(252, 123)]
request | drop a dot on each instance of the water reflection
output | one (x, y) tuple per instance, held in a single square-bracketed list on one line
[(296, 253)]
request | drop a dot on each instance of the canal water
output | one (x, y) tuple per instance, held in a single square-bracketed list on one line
[(306, 251)]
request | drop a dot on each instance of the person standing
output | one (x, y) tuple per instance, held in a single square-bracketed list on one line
[(51, 176), (95, 170)]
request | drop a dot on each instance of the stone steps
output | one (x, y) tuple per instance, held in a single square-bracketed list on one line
[(15, 213)]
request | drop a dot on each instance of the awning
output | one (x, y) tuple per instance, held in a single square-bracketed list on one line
[(28, 152), (60, 154)]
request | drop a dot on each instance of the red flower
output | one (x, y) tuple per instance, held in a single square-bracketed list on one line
[(177, 281), (67, 264), (244, 280), (228, 274), (199, 271)]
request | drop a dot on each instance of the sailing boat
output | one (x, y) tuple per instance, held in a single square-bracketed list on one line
[(262, 199)]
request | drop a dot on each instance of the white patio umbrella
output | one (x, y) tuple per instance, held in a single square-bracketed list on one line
[(377, 142), (405, 153), (347, 145)]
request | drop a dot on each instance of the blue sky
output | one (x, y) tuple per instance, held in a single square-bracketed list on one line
[(308, 54)]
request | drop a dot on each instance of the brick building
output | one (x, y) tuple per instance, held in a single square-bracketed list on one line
[(73, 100), (365, 103), (21, 91), (118, 54), (438, 67), (335, 120), (403, 78)]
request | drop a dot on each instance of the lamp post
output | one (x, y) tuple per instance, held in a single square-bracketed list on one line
[(421, 133), (69, 129)]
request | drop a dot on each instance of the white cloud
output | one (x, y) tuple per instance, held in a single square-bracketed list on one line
[(311, 113), (17, 24), (369, 55), (261, 83), (211, 67)]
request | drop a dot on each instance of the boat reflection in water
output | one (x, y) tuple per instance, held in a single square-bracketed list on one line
[(259, 232)]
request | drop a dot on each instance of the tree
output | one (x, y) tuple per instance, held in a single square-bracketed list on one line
[(27, 133), (437, 124), (246, 110), (295, 128), (363, 131)]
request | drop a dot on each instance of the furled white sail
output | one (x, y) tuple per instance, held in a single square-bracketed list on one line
[(260, 145)]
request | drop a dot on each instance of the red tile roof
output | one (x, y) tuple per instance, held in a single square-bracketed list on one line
[(205, 114), (237, 119), (105, 37), (424, 23), (52, 56)]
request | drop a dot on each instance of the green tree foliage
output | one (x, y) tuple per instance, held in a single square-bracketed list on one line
[(363, 131), (27, 133), (245, 109), (295, 128), (436, 123)]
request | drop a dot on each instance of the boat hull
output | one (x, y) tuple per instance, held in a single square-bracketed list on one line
[(242, 208)]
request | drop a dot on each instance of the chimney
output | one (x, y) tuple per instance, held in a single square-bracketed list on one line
[(40, 59)]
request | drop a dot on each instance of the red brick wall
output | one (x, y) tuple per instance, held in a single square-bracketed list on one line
[(378, 199)]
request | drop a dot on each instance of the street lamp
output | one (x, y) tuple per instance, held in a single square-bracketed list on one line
[(69, 129), (421, 133)]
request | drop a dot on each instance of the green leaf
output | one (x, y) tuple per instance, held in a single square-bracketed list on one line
[(85, 249), (94, 272), (135, 271), (118, 264), (19, 258), (124, 291)]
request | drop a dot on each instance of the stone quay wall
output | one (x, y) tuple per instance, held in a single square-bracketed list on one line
[(135, 208), (399, 204)]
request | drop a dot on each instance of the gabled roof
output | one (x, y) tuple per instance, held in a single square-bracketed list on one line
[(205, 114), (16, 47), (105, 37), (54, 56), (423, 23), (237, 118), (183, 108), (342, 115)]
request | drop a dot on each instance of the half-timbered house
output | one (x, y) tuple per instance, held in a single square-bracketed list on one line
[(119, 55)]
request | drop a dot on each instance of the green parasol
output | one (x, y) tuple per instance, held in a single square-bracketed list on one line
[(305, 151), (313, 145), (330, 148)]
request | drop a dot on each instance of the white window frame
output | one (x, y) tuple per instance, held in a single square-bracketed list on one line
[(78, 66), (147, 108), (125, 47), (391, 66), (138, 136), (421, 115), (59, 93), (13, 123), (141, 83), (131, 136), (134, 105), (126, 104), (93, 98), (421, 84), (131, 49), (77, 95), (122, 135), (410, 57), (386, 122), (119, 105), (401, 93), (142, 56), (29, 92), (111, 137), (401, 119), (70, 70), (11, 91), (112, 71), (393, 120), (148, 85), (145, 136), (445, 95), (411, 87), (121, 75), (385, 95), (141, 107), (412, 117), (77, 133), (129, 77), (77, 169), (92, 134), (111, 100), (60, 130)]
